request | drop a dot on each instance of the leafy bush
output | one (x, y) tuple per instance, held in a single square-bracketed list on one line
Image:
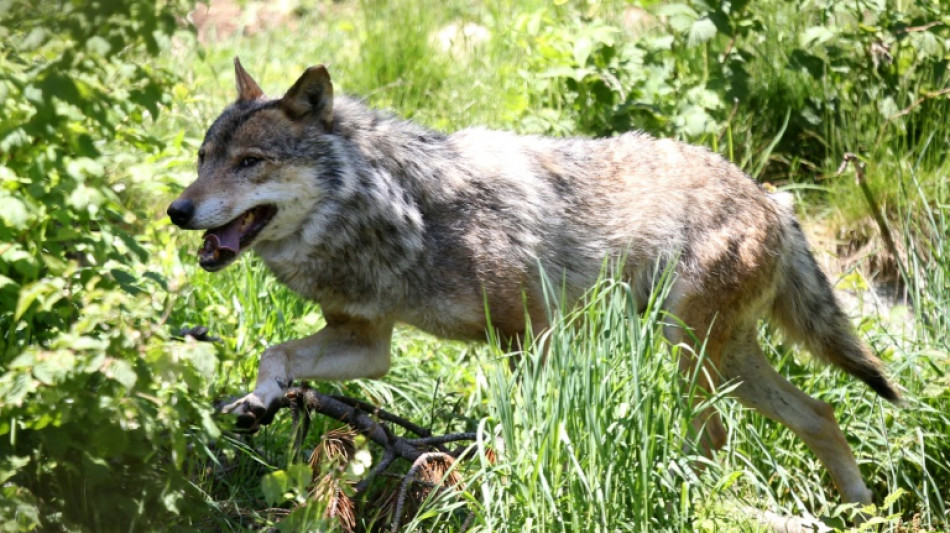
[(95, 403), (72, 97), (818, 67)]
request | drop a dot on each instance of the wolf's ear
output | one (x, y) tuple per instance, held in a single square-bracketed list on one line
[(248, 90), (311, 95)]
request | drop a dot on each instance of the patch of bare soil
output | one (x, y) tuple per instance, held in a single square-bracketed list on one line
[(864, 273)]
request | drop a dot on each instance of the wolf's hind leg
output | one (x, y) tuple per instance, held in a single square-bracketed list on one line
[(345, 349), (766, 391), (707, 425)]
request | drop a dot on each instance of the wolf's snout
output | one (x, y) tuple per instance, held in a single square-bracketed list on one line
[(181, 211)]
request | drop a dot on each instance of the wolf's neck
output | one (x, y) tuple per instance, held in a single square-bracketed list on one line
[(361, 243), (386, 144)]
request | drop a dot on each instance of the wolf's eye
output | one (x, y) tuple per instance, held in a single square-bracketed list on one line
[(249, 162), (201, 156)]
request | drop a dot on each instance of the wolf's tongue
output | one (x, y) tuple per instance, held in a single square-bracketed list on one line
[(226, 237)]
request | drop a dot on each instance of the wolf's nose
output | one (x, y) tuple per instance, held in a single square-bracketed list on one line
[(181, 211)]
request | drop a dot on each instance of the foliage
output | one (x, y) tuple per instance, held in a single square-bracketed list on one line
[(819, 67), (71, 96), (600, 81), (94, 399)]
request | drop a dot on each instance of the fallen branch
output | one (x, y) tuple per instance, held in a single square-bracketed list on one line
[(366, 419), (927, 96), (922, 27), (425, 452), (354, 414)]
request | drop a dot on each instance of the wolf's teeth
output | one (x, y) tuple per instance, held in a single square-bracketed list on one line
[(248, 220)]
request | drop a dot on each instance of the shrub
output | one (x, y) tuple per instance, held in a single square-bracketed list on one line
[(95, 403)]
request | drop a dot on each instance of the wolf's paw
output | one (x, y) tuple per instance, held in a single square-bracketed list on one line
[(251, 411)]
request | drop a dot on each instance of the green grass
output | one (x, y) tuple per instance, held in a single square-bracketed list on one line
[(594, 438), (592, 432)]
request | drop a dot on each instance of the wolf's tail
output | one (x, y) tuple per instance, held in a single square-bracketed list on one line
[(806, 310)]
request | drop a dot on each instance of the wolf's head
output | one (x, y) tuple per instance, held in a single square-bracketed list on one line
[(258, 178)]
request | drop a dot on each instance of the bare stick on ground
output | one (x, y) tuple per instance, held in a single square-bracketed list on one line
[(432, 461), (879, 219)]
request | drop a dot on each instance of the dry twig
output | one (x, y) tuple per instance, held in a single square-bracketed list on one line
[(354, 413), (859, 177)]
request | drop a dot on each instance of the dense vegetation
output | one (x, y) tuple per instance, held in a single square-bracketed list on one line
[(106, 409)]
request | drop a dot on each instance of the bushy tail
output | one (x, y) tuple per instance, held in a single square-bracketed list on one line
[(806, 310)]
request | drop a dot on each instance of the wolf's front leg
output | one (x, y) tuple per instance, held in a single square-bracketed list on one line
[(346, 348)]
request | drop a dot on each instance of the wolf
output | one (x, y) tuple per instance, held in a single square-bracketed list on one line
[(382, 221)]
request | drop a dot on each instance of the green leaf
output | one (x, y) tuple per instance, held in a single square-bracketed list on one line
[(701, 31), (34, 39), (8, 178), (274, 486), (802, 60), (127, 281), (53, 366), (33, 94), (725, 483), (140, 253), (121, 371), (927, 44), (121, 276), (695, 121), (301, 475), (98, 46), (23, 263), (202, 357), (887, 107), (28, 295), (80, 167), (679, 16), (84, 198), (582, 49), (95, 469), (307, 517), (209, 425), (816, 35), (14, 212), (154, 276), (282, 485), (171, 500), (16, 387), (659, 42), (4, 281), (892, 498), (11, 465)]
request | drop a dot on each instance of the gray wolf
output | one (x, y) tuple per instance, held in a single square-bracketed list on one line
[(383, 221)]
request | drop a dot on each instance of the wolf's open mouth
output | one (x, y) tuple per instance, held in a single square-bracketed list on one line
[(223, 244)]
